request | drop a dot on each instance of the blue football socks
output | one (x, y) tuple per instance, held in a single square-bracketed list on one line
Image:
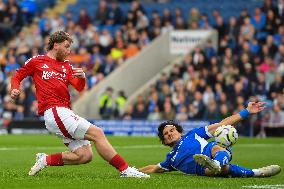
[(238, 171)]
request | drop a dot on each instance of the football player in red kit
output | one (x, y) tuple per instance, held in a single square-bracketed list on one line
[(52, 74)]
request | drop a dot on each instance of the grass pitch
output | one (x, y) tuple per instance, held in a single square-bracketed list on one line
[(17, 155)]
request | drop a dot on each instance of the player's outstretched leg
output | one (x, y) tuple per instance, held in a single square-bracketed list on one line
[(39, 164), (267, 171), (108, 153), (239, 171), (205, 161)]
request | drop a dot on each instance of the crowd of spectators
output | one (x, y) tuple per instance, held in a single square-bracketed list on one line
[(16, 14), (209, 84), (102, 42)]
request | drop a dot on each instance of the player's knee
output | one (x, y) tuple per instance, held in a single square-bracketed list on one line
[(95, 134), (98, 133), (217, 148)]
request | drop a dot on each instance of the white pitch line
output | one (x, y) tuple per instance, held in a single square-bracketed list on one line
[(271, 186), (281, 145)]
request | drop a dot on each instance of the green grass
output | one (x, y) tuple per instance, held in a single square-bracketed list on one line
[(17, 154)]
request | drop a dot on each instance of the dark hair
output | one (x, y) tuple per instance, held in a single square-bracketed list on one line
[(164, 124), (109, 89), (58, 37)]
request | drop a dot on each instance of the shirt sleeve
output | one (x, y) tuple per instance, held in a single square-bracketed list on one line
[(23, 72), (77, 83), (166, 165), (202, 132)]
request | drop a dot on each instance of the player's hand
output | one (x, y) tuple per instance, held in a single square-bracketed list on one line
[(255, 107), (78, 72), (15, 93)]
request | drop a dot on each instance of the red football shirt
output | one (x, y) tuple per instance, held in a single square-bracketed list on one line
[(51, 79)]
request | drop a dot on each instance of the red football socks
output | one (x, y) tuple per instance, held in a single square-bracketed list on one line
[(54, 160), (119, 163)]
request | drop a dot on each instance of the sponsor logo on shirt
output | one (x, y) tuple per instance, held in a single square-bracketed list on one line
[(51, 74)]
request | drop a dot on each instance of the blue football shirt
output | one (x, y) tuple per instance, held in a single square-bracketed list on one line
[(181, 157)]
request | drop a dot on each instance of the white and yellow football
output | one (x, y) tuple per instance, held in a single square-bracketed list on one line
[(226, 135)]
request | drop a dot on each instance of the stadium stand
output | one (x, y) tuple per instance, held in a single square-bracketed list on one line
[(207, 84), (16, 14)]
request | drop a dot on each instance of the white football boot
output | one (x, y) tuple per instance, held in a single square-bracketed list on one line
[(39, 164), (205, 161), (133, 172), (267, 171)]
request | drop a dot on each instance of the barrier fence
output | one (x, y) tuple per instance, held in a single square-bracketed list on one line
[(117, 127), (110, 127)]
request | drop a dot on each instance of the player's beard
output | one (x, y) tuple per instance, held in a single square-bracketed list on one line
[(60, 55)]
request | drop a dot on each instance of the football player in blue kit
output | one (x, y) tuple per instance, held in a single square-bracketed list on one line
[(192, 154)]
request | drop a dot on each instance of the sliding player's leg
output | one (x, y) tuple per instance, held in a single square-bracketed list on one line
[(217, 163), (239, 171), (214, 157)]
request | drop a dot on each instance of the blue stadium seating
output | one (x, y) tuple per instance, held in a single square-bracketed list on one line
[(226, 7)]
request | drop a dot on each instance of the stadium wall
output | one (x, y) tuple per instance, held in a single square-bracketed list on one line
[(189, 40), (138, 72), (128, 77), (110, 127)]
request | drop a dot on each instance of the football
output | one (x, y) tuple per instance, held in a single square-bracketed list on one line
[(226, 135)]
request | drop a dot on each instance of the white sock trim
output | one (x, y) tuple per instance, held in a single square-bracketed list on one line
[(256, 172)]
